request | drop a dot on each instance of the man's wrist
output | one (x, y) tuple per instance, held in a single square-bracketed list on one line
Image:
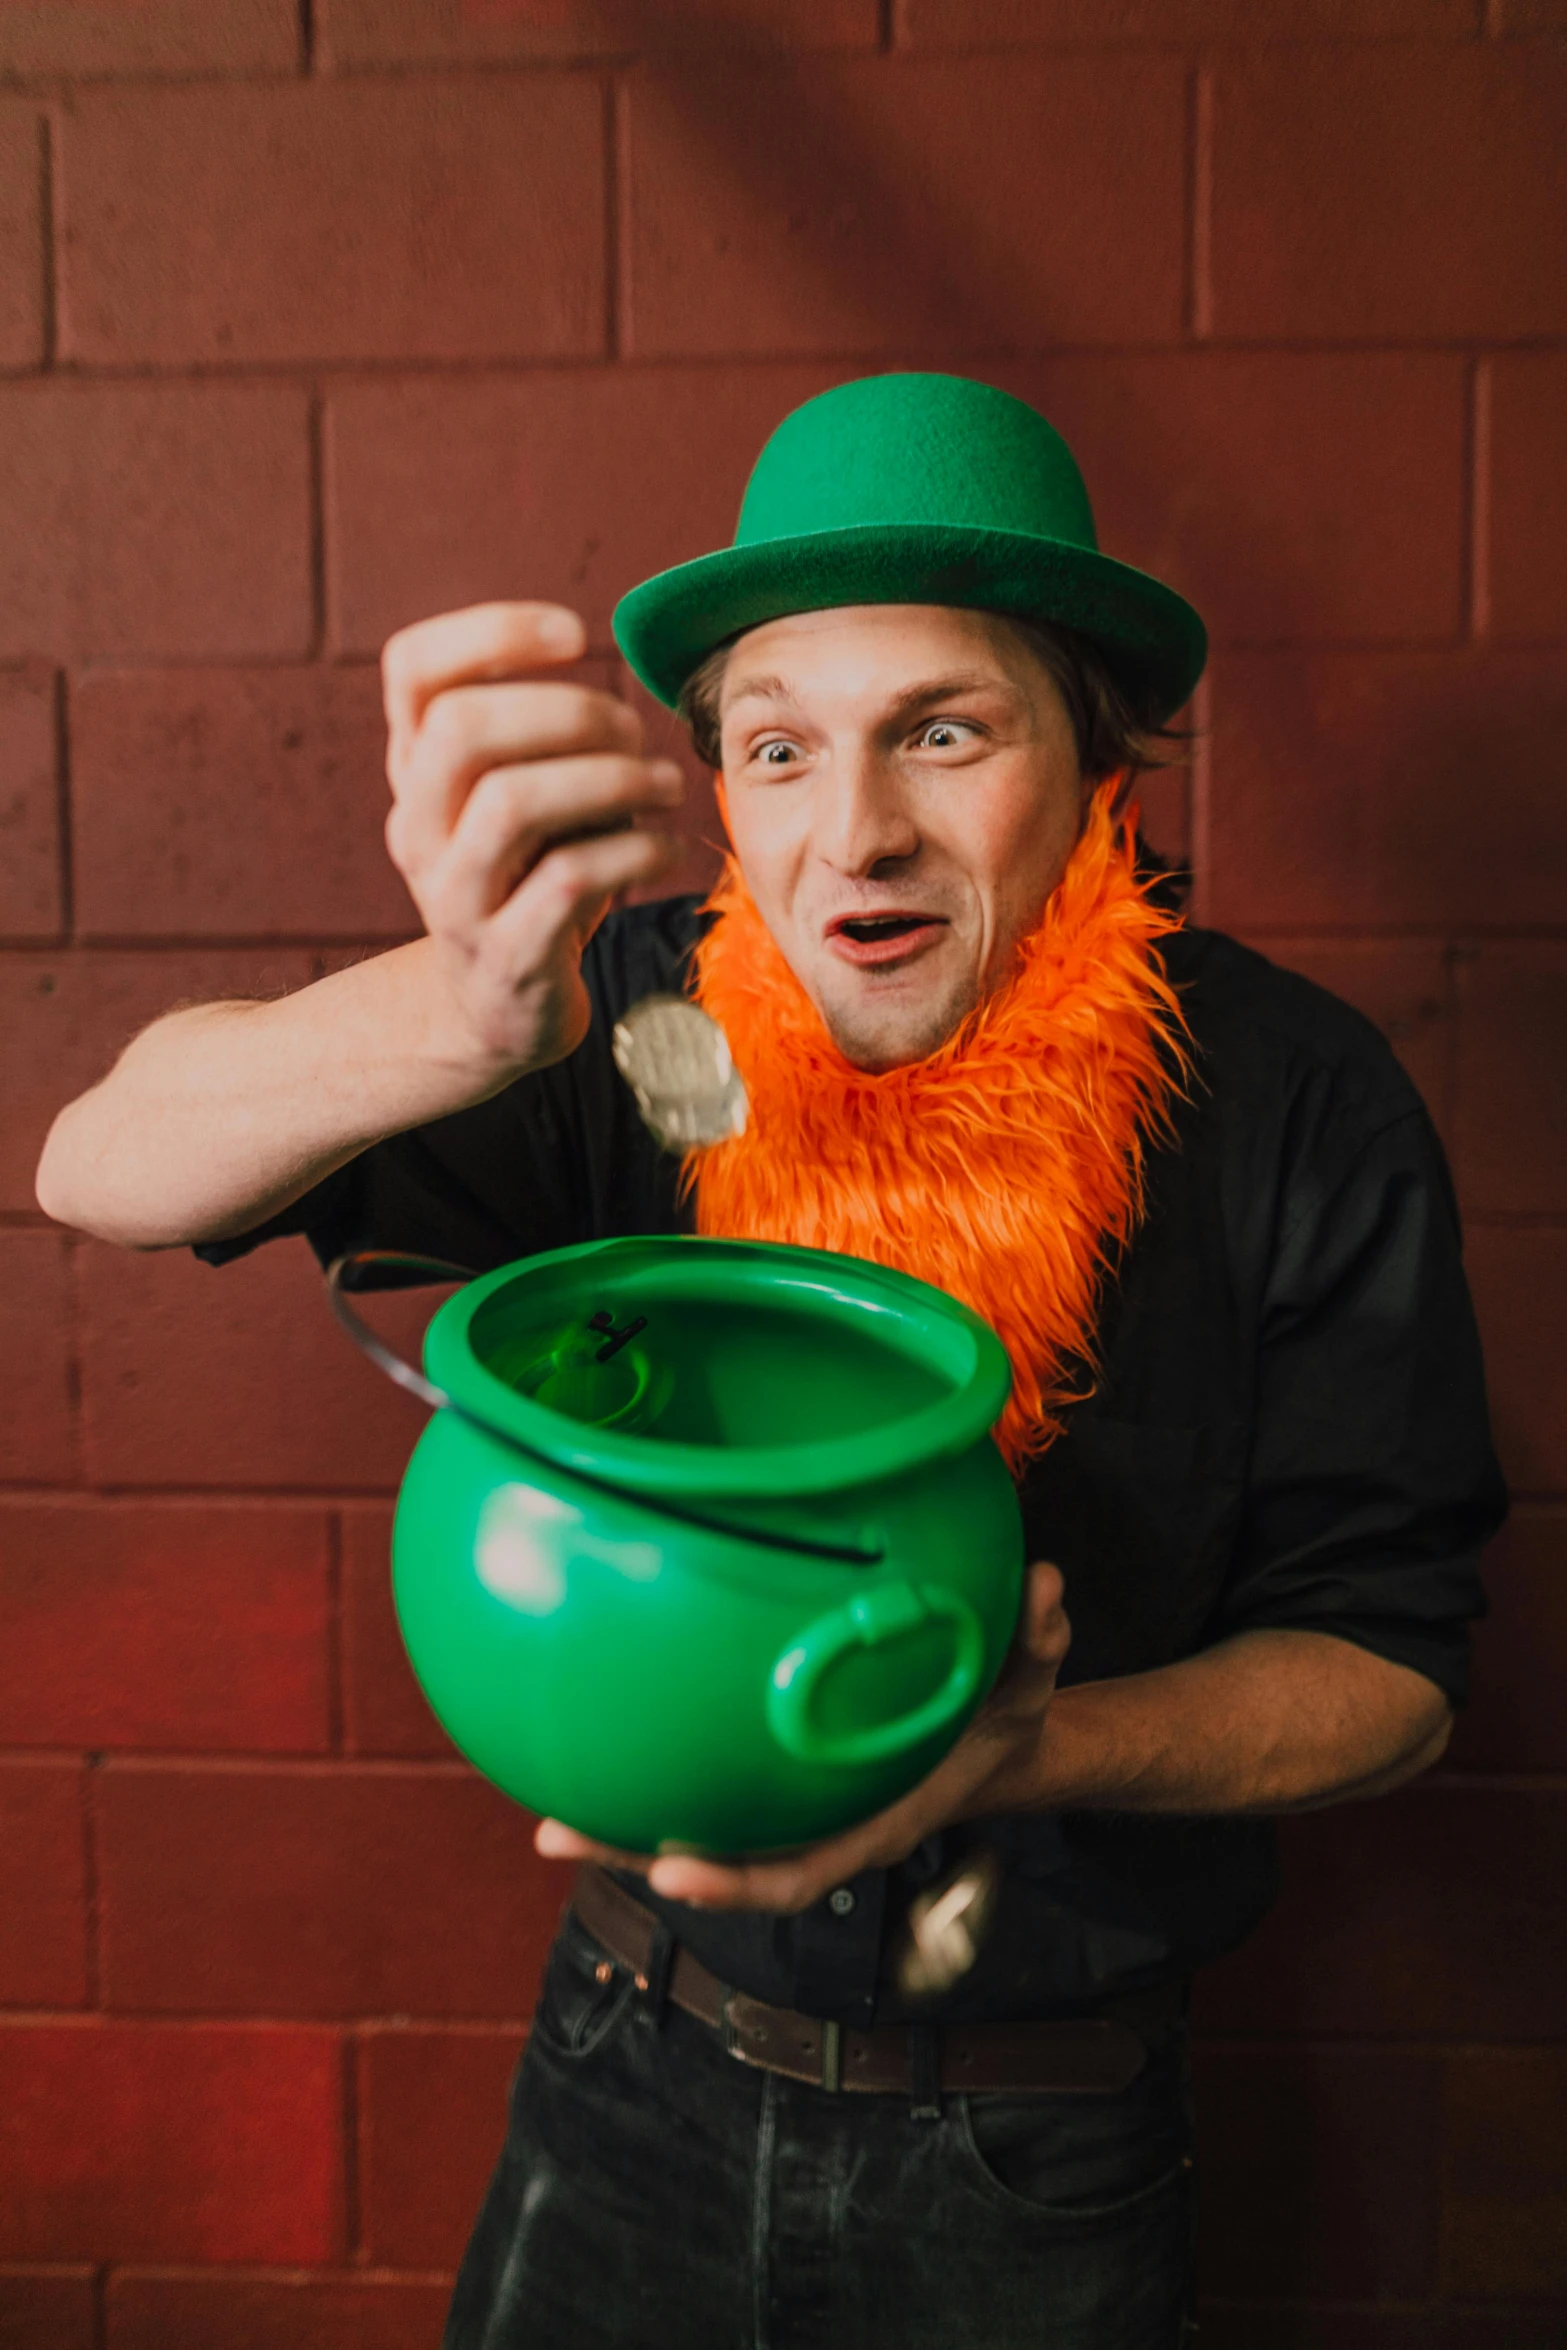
[(440, 1035)]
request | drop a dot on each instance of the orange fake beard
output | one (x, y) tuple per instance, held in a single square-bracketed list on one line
[(1008, 1167)]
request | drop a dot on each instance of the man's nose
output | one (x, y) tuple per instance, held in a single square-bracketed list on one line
[(863, 817)]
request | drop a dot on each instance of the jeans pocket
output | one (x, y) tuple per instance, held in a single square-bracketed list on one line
[(585, 1993), (1084, 2161)]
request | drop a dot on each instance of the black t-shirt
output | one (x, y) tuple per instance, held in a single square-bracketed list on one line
[(1288, 1428)]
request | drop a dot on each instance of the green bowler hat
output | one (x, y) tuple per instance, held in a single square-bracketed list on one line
[(916, 489)]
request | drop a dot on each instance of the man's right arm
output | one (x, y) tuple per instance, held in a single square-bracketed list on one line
[(516, 802)]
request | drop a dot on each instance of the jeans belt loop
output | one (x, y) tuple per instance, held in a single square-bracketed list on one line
[(832, 2056), (924, 2073), (653, 1982)]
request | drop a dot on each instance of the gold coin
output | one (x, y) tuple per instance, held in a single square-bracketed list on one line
[(678, 1065)]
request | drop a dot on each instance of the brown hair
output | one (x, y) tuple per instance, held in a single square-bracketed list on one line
[(1110, 731)]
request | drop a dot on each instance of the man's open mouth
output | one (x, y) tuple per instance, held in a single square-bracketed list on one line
[(869, 939), (868, 928)]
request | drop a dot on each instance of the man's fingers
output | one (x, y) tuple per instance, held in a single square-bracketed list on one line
[(553, 1840), (568, 890), (513, 813), (468, 731), (707, 1884), (779, 1886), (484, 642)]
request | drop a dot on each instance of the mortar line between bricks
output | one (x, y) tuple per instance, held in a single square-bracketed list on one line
[(1199, 197), (269, 373), (100, 2306), (48, 319), (1477, 516), (149, 82), (307, 37), (889, 27)]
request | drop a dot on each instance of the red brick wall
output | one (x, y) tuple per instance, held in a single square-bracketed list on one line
[(316, 318)]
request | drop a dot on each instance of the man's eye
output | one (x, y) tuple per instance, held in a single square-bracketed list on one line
[(776, 754), (942, 734)]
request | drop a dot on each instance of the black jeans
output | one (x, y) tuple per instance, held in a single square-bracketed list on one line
[(653, 2192)]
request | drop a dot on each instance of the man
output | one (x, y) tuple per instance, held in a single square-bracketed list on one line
[(1196, 1196)]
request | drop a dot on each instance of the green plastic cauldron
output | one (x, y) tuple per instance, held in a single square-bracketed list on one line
[(711, 1547)]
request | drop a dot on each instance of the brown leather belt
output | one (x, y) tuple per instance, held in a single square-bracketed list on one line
[(1083, 2055)]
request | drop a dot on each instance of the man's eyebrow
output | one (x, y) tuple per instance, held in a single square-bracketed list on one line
[(914, 697), (764, 689), (941, 689)]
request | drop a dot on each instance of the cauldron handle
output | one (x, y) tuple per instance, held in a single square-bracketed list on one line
[(383, 1356)]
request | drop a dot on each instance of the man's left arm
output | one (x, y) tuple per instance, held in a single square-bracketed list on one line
[(1267, 1721)]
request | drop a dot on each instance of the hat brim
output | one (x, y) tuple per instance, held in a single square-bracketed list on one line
[(1152, 639)]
